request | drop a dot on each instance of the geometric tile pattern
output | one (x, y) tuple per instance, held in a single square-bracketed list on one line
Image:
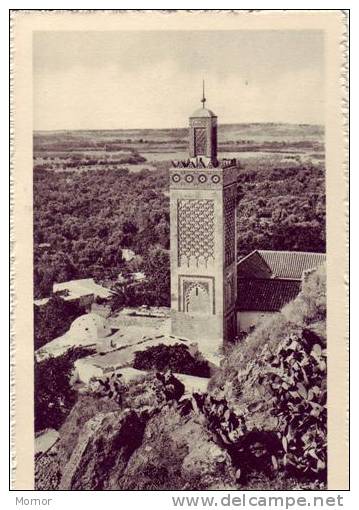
[(200, 140), (195, 224), (229, 225)]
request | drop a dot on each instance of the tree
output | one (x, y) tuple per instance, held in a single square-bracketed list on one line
[(157, 270), (176, 358), (53, 319)]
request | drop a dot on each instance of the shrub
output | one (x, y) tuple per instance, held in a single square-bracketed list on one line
[(146, 393), (53, 319), (310, 305), (296, 376), (307, 309), (284, 394), (54, 394), (171, 357)]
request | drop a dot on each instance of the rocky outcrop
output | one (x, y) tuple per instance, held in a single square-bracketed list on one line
[(178, 453), (102, 452)]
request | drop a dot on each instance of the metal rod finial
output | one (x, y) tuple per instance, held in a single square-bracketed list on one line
[(203, 100)]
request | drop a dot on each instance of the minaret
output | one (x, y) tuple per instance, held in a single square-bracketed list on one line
[(203, 205)]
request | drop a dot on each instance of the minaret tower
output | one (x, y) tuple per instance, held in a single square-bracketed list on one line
[(203, 202)]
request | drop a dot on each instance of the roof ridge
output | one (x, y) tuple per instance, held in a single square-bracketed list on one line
[(278, 279), (289, 251), (248, 255)]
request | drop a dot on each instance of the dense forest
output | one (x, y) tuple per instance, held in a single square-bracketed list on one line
[(281, 207), (81, 222), (83, 219)]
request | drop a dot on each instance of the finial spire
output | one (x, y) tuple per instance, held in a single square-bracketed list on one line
[(203, 100)]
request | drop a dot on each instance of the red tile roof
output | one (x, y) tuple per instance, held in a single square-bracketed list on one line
[(281, 264), (265, 295)]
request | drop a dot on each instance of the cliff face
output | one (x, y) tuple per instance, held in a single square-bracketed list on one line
[(145, 444)]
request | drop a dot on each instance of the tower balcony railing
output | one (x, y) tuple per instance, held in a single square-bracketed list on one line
[(204, 163)]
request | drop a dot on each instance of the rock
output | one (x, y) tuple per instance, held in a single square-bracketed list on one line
[(178, 453), (44, 440), (152, 392), (150, 445), (209, 463), (104, 446)]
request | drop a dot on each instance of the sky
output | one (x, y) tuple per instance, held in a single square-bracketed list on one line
[(147, 79)]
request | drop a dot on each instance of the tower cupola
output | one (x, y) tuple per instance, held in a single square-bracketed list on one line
[(203, 133)]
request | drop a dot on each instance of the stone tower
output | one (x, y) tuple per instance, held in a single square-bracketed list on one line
[(203, 203)]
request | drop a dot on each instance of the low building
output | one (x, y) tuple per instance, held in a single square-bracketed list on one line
[(84, 291), (268, 280), (88, 330), (118, 358), (286, 265), (138, 277), (131, 278), (44, 246), (260, 299)]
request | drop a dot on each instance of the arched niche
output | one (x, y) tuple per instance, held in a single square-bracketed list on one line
[(197, 299)]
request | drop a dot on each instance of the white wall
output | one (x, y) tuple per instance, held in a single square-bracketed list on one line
[(247, 319), (85, 370)]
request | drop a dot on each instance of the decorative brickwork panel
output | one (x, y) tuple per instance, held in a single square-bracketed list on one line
[(199, 177), (189, 174), (229, 225), (200, 140), (195, 223)]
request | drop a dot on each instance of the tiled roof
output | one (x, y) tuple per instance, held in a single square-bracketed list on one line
[(281, 264), (253, 266), (265, 295), (291, 264)]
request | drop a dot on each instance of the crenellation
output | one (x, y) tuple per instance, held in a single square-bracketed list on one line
[(199, 162)]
